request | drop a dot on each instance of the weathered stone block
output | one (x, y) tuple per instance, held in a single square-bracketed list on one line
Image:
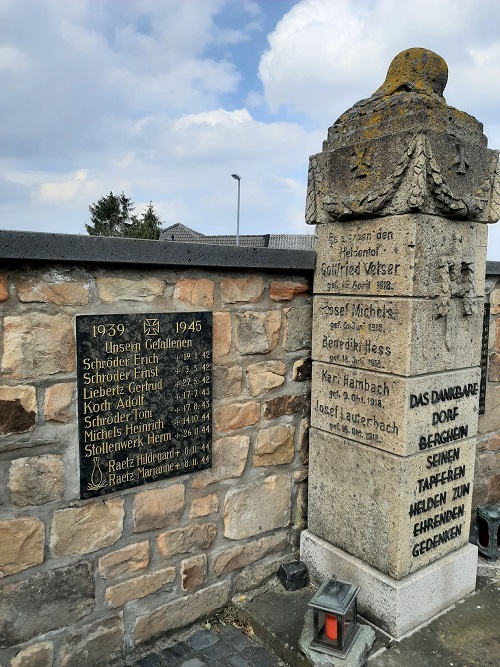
[(59, 403), (127, 560), (242, 555), (36, 655), (227, 381), (286, 405), (402, 336), (398, 256), (112, 289), (301, 370), (494, 367), (62, 294), (181, 612), (18, 411), (286, 290), (236, 415), (257, 333), (256, 575), (197, 292), (158, 508), (36, 344), (491, 418), (274, 445), (36, 480), (4, 288), (204, 506), (221, 334), (196, 537), (44, 602), (403, 514), (22, 544), (495, 301), (265, 375), (138, 587), (82, 530), (258, 507), (229, 457), (297, 335), (193, 572), (242, 290), (399, 415), (97, 644)]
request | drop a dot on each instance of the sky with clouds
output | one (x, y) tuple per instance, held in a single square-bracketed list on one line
[(165, 99)]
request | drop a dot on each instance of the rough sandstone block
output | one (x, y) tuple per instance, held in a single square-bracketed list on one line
[(257, 507), (59, 403), (181, 612), (204, 506), (45, 602), (298, 322), (236, 415), (62, 294), (36, 655), (227, 381), (36, 480), (286, 405), (265, 375), (82, 530), (193, 572), (97, 644), (286, 290), (229, 457), (18, 411), (4, 288), (257, 333), (125, 561), (491, 418), (158, 508), (256, 575), (196, 537), (242, 555), (495, 301), (124, 289), (494, 489), (242, 290), (138, 587), (199, 292), (494, 367), (274, 446), (22, 544), (36, 344), (221, 333)]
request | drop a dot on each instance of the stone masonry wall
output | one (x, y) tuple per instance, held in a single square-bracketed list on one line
[(487, 473), (83, 581)]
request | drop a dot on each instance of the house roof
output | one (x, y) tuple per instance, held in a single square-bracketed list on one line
[(183, 234)]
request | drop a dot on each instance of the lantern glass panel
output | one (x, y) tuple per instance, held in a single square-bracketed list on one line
[(350, 619)]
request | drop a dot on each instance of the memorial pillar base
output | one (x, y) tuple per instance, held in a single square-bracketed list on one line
[(396, 606)]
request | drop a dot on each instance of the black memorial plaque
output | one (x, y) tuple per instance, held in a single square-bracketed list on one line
[(484, 358), (144, 398)]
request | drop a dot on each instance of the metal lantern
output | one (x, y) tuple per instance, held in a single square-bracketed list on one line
[(488, 531), (335, 617)]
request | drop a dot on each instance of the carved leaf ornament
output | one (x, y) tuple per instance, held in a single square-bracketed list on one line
[(425, 187)]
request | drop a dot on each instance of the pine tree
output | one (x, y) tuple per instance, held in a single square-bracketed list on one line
[(148, 226), (111, 216)]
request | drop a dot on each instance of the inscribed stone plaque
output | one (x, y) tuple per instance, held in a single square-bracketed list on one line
[(399, 256), (399, 415), (402, 336), (144, 398), (395, 513)]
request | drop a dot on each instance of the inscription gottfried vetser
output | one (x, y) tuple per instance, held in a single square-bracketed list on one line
[(144, 398)]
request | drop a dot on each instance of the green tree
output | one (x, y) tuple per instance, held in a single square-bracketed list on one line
[(111, 216), (148, 226)]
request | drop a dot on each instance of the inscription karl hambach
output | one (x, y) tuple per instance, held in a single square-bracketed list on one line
[(144, 398)]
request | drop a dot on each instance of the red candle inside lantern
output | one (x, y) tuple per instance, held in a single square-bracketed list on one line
[(331, 627)]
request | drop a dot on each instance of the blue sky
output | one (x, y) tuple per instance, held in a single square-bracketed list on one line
[(164, 99)]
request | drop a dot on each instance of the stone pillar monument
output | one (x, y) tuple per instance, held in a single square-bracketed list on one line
[(399, 194)]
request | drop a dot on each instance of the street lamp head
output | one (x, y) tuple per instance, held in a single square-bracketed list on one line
[(236, 176)]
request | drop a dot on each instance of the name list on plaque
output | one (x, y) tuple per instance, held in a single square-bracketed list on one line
[(144, 398)]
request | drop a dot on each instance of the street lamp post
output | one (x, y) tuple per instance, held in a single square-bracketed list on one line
[(238, 178)]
